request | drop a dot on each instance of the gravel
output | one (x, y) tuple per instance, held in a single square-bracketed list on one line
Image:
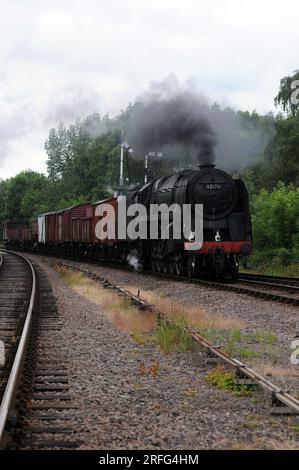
[(123, 406)]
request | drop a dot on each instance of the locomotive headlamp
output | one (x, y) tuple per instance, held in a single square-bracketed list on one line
[(217, 236), (191, 237)]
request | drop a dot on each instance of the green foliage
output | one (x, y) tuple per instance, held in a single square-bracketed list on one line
[(171, 337), (23, 195), (280, 161), (224, 380), (84, 159), (276, 226), (265, 337), (239, 343)]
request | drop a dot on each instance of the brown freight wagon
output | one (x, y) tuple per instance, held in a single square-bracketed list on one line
[(80, 220), (111, 221), (60, 227), (11, 231)]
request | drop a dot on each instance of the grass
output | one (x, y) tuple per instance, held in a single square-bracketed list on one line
[(239, 343), (141, 338), (265, 337), (224, 380), (117, 308), (295, 428), (193, 315), (172, 338), (266, 444)]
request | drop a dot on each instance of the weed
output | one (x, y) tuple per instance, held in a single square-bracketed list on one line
[(265, 337), (248, 353), (140, 338), (295, 428), (171, 337), (265, 444), (224, 380), (152, 370), (190, 392), (236, 335)]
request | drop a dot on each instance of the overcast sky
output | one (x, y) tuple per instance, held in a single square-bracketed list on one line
[(67, 58)]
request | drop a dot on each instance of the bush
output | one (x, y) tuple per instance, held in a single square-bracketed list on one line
[(276, 227)]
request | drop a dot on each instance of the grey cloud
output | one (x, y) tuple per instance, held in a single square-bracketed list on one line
[(71, 103), (14, 123)]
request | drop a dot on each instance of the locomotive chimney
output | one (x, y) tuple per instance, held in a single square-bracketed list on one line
[(203, 166)]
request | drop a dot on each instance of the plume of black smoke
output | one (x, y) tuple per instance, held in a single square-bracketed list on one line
[(169, 121), (176, 119), (241, 138)]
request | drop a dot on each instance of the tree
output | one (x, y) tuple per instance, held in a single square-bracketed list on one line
[(276, 224), (56, 147), (25, 193), (284, 96)]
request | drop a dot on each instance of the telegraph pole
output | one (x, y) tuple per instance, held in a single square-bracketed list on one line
[(150, 154), (121, 170), (146, 168), (124, 146)]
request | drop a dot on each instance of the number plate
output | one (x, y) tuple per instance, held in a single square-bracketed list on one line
[(213, 186)]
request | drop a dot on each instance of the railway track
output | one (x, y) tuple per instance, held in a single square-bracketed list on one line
[(17, 297), (36, 409), (283, 280), (274, 288), (281, 401), (273, 291), (254, 287)]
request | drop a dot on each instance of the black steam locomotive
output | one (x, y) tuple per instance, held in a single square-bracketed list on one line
[(227, 234)]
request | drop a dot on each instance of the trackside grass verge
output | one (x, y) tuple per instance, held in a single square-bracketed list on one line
[(228, 333), (119, 309)]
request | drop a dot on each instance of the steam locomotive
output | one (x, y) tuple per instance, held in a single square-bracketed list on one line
[(227, 233)]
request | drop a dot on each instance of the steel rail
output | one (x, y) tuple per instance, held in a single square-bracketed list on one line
[(284, 280), (281, 395), (229, 287), (16, 370), (270, 285)]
